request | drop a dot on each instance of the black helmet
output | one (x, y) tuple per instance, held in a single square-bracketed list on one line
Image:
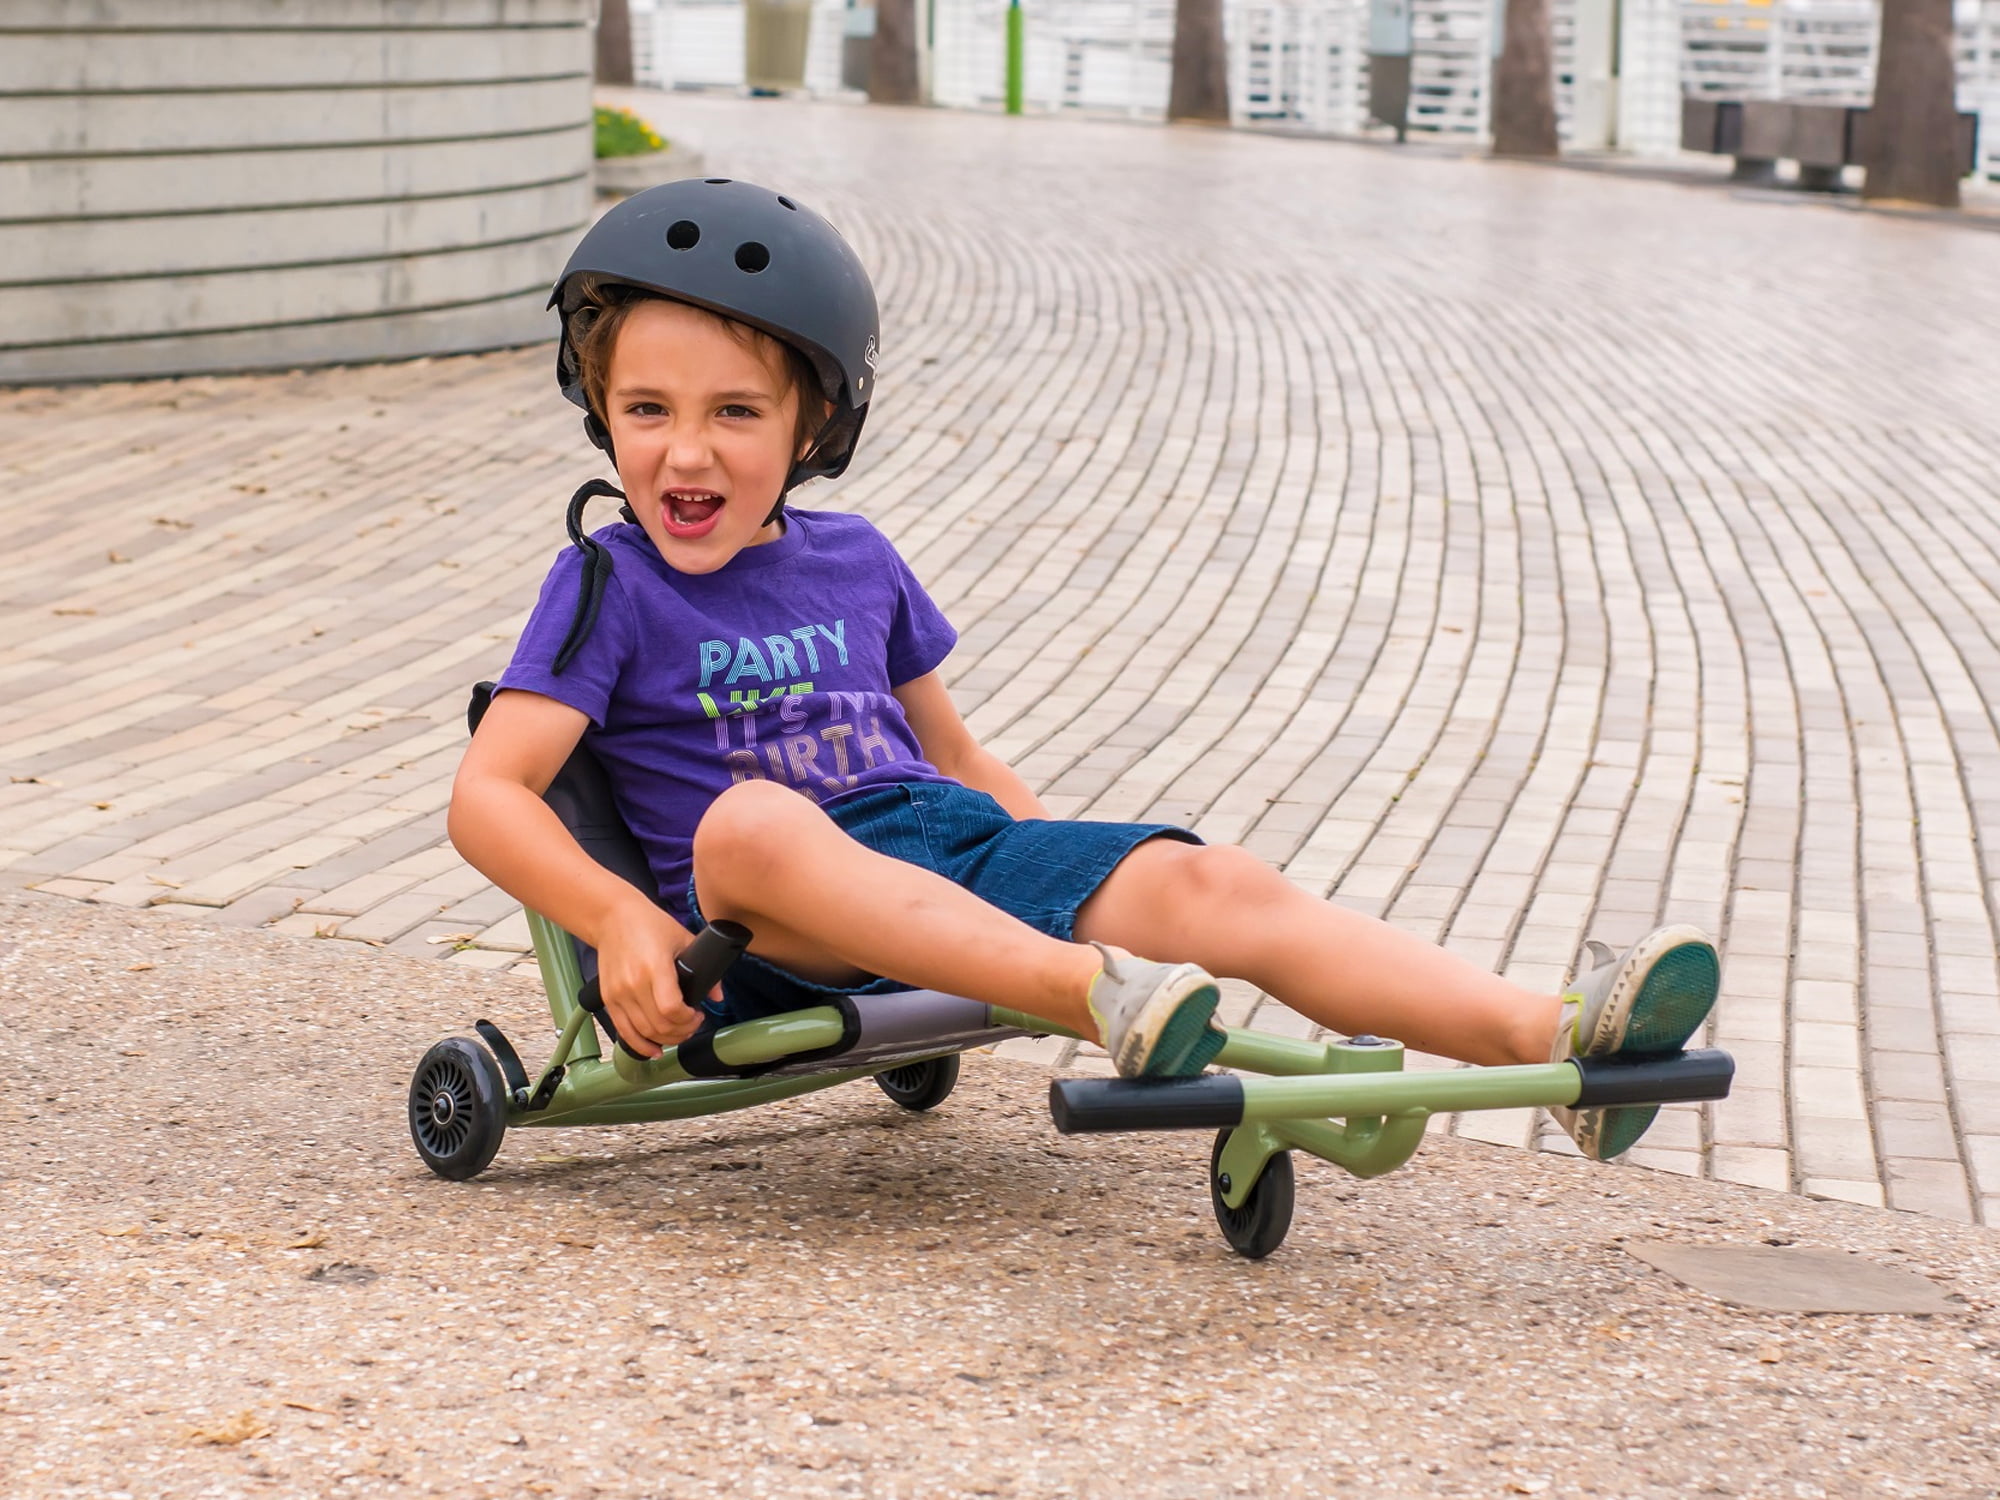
[(752, 255)]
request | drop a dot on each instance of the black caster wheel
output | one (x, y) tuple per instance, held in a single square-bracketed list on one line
[(458, 1108), (1260, 1225), (921, 1085)]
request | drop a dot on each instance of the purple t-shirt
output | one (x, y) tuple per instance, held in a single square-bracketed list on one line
[(777, 666)]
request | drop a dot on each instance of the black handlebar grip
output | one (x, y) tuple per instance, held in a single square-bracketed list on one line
[(704, 961)]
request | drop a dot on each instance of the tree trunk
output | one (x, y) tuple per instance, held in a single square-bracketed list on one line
[(1524, 83), (614, 43), (1911, 149), (1200, 87), (892, 59)]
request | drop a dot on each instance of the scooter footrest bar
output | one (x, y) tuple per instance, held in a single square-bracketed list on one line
[(1090, 1106), (1670, 1078)]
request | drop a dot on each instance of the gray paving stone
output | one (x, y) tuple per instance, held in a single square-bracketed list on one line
[(1915, 1129), (390, 919), (263, 905)]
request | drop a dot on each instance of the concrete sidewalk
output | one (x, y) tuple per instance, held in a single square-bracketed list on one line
[(1522, 556), (229, 1275)]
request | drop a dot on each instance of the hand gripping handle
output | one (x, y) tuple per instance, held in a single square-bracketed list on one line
[(699, 968)]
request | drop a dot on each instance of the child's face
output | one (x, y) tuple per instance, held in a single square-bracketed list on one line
[(702, 425)]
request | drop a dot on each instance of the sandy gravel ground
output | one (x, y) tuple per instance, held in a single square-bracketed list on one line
[(226, 1273)]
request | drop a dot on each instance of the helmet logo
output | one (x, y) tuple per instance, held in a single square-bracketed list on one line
[(868, 354)]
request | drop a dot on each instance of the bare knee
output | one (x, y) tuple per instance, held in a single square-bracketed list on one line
[(743, 831), (1211, 879), (1176, 900)]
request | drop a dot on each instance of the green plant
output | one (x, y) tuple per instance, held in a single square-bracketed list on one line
[(622, 133)]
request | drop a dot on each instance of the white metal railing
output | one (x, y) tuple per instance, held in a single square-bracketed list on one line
[(1305, 62), (1979, 80), (1100, 56)]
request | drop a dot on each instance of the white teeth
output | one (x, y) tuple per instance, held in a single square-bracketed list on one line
[(679, 502)]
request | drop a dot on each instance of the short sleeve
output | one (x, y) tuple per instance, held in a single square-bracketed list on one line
[(586, 683), (920, 637)]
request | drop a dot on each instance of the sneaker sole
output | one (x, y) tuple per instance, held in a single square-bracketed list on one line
[(1185, 1043), (1621, 1128), (1676, 989)]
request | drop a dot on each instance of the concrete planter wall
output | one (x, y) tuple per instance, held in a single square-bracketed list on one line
[(196, 185), (634, 174)]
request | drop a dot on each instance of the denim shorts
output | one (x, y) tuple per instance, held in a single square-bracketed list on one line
[(1039, 870)]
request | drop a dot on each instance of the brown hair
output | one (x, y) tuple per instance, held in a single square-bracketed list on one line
[(601, 310)]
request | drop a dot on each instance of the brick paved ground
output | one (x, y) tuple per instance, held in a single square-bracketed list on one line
[(1520, 555)]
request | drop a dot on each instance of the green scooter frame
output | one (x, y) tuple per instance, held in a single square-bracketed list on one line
[(1348, 1102)]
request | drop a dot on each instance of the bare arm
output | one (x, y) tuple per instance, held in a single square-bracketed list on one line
[(499, 822), (949, 745)]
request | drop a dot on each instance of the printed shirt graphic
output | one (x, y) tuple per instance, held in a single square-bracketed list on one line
[(776, 667)]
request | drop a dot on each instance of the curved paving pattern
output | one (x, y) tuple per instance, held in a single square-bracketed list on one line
[(1519, 554)]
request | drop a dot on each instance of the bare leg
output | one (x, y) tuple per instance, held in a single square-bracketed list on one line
[(1225, 909), (825, 906)]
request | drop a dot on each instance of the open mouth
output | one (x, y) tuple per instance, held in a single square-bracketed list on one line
[(690, 513)]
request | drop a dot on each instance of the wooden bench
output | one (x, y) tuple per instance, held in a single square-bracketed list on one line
[(1821, 138)]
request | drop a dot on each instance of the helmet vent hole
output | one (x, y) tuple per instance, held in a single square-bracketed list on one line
[(752, 257), (788, 203), (685, 234), (715, 181)]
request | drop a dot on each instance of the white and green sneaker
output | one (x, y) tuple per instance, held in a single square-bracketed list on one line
[(1155, 1018), (1646, 1001)]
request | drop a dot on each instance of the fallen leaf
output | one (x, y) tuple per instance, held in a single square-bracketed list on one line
[(227, 1433), (138, 968), (177, 525), (452, 937), (131, 1052), (576, 1242), (116, 557), (75, 611), (102, 806), (32, 781), (309, 1241), (1770, 1354), (119, 1234), (1526, 1486), (166, 880), (324, 1411)]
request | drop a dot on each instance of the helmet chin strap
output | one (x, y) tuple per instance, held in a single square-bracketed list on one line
[(596, 568)]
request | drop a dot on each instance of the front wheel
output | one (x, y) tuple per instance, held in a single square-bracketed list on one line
[(458, 1108), (1259, 1226), (921, 1085)]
